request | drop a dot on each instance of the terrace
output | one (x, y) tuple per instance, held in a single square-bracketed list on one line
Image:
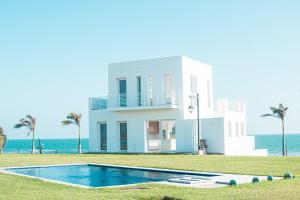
[(139, 102)]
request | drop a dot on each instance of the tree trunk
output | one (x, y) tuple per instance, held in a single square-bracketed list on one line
[(79, 141), (32, 144), (284, 150)]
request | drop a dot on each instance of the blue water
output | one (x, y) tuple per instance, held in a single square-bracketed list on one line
[(49, 146), (270, 142), (273, 144), (99, 176)]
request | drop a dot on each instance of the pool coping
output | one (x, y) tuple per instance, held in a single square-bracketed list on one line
[(4, 171)]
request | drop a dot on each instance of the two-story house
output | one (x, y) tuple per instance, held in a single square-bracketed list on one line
[(148, 110)]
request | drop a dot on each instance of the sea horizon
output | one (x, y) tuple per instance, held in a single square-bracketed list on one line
[(271, 142)]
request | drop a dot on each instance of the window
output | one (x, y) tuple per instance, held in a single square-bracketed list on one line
[(237, 129), (150, 90), (194, 84), (122, 92), (139, 90), (208, 94), (169, 88), (229, 129), (103, 137), (123, 136), (242, 129)]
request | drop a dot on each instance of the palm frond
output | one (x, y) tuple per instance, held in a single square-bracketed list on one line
[(75, 118), (30, 118), (20, 125), (277, 112), (28, 122), (25, 122), (1, 131), (67, 122), (71, 116), (268, 115)]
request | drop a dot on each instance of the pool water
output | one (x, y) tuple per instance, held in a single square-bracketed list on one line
[(101, 175)]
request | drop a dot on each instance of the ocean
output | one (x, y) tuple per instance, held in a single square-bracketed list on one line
[(274, 144), (69, 146), (50, 146)]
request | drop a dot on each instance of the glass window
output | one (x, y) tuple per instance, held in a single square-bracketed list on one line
[(123, 136), (103, 136), (208, 93), (150, 90), (242, 129), (229, 129), (139, 90), (194, 84), (237, 129), (122, 93)]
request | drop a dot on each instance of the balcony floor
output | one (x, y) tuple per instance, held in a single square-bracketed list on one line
[(158, 107)]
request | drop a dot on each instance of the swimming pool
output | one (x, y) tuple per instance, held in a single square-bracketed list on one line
[(94, 175)]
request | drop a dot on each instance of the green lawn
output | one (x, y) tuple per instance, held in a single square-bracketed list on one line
[(15, 187)]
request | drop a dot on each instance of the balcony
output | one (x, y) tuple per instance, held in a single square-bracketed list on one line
[(125, 102)]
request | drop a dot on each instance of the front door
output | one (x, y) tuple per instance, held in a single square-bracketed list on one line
[(123, 136)]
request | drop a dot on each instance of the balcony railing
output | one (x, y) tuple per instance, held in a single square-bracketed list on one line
[(126, 101), (224, 105)]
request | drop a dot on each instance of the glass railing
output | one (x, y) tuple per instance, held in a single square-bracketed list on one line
[(124, 100)]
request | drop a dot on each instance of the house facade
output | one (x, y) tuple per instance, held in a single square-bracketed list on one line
[(148, 110)]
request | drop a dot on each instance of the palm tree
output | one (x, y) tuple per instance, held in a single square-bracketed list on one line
[(280, 113), (30, 123), (2, 139), (73, 118)]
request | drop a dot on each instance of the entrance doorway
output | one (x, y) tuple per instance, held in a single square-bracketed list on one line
[(161, 136)]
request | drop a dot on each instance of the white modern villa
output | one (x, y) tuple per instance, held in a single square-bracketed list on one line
[(152, 107)]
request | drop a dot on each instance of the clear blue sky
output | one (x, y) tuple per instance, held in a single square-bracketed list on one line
[(54, 54)]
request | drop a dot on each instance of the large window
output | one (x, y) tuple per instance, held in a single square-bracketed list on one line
[(150, 90), (139, 90), (229, 129), (243, 129), (122, 92), (169, 89), (194, 84), (208, 94), (103, 136), (237, 129), (123, 136)]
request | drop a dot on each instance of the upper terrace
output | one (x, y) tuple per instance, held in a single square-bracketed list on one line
[(140, 102)]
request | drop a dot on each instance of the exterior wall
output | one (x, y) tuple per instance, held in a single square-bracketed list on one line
[(157, 68), (203, 73), (239, 145), (213, 132), (214, 121), (136, 128)]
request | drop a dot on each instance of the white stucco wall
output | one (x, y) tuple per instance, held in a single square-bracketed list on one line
[(213, 131)]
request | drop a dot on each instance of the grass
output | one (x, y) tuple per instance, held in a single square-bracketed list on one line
[(15, 187)]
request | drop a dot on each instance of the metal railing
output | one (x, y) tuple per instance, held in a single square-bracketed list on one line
[(139, 100)]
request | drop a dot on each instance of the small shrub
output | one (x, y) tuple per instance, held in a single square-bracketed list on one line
[(232, 183), (270, 178), (288, 176), (255, 180), (169, 198)]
